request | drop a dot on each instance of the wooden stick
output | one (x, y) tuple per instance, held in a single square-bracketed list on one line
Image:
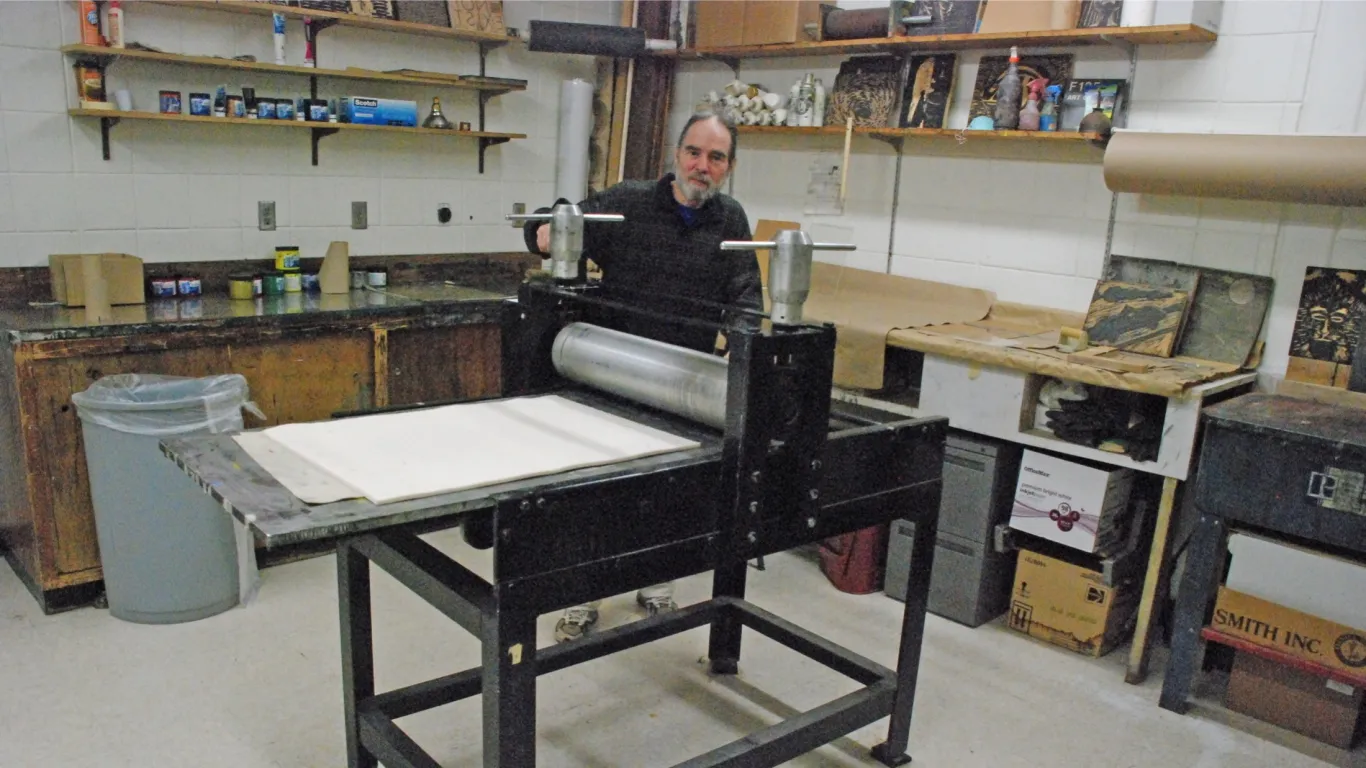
[(844, 165)]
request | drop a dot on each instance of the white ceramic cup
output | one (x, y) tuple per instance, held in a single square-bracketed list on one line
[(772, 100), (780, 117), (123, 100)]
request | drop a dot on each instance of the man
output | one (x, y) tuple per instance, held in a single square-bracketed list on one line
[(666, 257)]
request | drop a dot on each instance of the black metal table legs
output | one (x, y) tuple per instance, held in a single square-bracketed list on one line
[(1204, 561), (509, 696), (357, 657), (893, 751), (723, 648)]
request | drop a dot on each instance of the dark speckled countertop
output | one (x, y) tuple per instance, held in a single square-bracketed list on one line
[(29, 322)]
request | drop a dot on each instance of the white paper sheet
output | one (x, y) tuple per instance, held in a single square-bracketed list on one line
[(300, 476), (411, 454)]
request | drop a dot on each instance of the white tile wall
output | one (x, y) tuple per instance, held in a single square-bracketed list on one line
[(190, 192), (1034, 231)]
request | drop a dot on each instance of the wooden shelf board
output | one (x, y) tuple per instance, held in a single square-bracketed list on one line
[(287, 124), (925, 133), (1159, 35), (256, 66), (344, 19), (1271, 654)]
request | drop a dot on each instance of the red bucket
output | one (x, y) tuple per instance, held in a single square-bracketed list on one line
[(855, 562)]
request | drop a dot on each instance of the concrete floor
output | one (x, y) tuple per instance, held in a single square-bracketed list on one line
[(260, 686)]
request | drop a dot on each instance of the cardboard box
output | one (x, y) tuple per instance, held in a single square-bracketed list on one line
[(1314, 706), (1082, 505), (1069, 605), (364, 110), (719, 23), (1304, 637), (122, 271), (1030, 15), (769, 22)]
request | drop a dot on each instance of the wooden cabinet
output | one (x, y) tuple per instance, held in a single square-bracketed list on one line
[(301, 373)]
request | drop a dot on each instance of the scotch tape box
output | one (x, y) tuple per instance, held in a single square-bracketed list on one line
[(1070, 502)]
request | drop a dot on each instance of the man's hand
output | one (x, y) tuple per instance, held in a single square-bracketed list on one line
[(543, 238)]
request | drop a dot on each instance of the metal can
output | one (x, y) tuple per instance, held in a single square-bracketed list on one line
[(188, 285), (273, 283), (287, 258), (163, 287), (284, 109), (236, 107), (257, 289), (377, 277), (265, 109), (294, 282), (240, 287), (170, 103), (310, 282), (357, 279), (201, 104)]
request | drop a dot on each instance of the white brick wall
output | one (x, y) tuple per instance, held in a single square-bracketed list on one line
[(189, 192), (1033, 230)]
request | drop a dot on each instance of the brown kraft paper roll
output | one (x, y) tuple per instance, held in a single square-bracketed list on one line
[(1328, 170)]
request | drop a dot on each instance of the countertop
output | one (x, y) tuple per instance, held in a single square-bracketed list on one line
[(34, 322)]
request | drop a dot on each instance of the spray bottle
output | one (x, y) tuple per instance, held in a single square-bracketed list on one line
[(1048, 117), (279, 22), (1030, 116)]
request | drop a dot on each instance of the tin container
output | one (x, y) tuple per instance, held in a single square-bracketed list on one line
[(287, 258), (265, 109), (310, 281), (163, 287), (188, 285), (273, 283), (294, 282), (170, 103), (257, 285), (236, 107), (240, 287), (317, 110), (201, 104), (357, 279), (284, 109), (377, 277)]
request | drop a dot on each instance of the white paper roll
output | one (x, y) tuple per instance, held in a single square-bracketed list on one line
[(576, 132)]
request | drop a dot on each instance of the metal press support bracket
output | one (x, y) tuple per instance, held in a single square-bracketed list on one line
[(789, 269), (566, 235)]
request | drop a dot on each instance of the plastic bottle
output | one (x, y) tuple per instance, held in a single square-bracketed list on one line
[(310, 52), (1048, 116), (818, 104), (806, 99), (1030, 116), (793, 96), (1008, 95), (90, 23), (115, 24), (279, 26)]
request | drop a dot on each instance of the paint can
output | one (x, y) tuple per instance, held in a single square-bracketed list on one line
[(273, 283), (163, 287), (170, 103), (188, 285), (201, 104), (287, 258), (257, 286), (377, 277), (310, 282), (240, 287), (357, 279), (294, 282)]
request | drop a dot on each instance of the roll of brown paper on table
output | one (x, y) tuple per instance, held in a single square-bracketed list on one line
[(96, 286), (1326, 170)]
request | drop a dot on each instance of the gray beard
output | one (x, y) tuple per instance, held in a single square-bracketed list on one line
[(693, 194)]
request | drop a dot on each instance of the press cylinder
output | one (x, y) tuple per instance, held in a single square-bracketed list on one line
[(674, 379)]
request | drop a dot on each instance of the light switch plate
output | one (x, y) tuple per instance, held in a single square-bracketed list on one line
[(265, 215), (518, 208), (359, 216)]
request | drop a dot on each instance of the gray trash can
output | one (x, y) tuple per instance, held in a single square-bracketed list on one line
[(167, 548)]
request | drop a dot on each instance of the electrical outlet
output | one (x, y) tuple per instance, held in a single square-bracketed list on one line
[(265, 215), (359, 218), (443, 213), (518, 208)]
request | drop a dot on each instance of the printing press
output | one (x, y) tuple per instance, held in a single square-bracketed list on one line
[(779, 465)]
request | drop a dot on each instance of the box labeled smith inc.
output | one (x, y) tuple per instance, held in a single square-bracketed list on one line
[(363, 110), (1300, 635), (1084, 506), (1070, 606)]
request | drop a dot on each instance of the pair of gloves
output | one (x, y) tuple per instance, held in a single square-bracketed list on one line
[(1112, 420)]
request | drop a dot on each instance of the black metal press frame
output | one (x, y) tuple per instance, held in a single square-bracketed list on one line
[(789, 472)]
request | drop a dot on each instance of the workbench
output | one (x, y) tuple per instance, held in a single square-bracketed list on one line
[(985, 377), (1287, 468), (591, 533), (305, 357)]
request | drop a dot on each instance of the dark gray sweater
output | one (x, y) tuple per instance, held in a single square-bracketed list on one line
[(657, 260)]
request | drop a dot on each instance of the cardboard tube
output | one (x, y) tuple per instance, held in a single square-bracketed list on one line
[(97, 307), (335, 275), (1326, 170)]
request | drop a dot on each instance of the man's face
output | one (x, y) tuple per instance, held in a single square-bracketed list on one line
[(702, 161)]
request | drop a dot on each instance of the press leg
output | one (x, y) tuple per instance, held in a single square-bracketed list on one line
[(357, 650), (724, 646), (509, 693), (1203, 564), (893, 751)]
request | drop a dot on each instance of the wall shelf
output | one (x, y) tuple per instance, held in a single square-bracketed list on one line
[(107, 55), (897, 136), (110, 118), (1159, 35), (329, 18)]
